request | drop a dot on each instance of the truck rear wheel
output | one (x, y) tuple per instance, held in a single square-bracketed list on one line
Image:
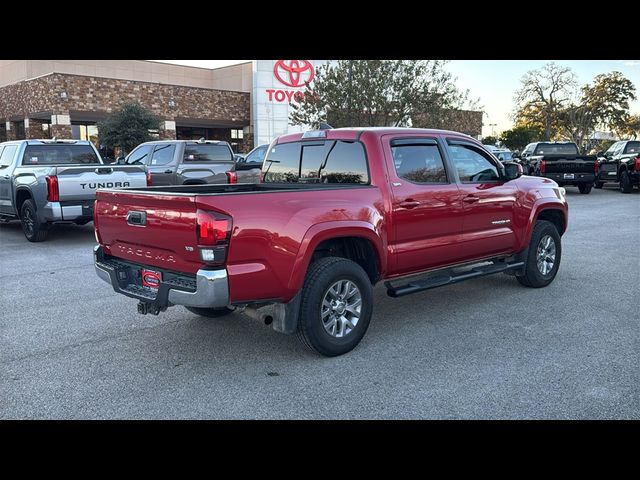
[(625, 182), (585, 188), (336, 308), (211, 312), (543, 259), (31, 225)]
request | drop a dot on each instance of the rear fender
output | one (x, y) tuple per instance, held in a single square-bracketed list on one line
[(338, 229)]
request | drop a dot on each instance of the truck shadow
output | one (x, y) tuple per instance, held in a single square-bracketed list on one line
[(75, 234)]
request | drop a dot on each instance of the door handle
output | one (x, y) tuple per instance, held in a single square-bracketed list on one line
[(6, 177), (470, 199), (409, 203), (168, 171)]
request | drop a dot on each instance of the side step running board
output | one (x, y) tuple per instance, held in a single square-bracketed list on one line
[(447, 277)]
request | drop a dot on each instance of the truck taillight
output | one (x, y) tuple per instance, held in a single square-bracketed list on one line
[(214, 233), (232, 177), (637, 167), (596, 167), (149, 180), (53, 193), (543, 166), (96, 230)]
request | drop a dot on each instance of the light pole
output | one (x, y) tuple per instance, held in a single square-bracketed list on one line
[(493, 129)]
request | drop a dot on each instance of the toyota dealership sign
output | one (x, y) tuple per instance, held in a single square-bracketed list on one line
[(276, 85), (294, 74)]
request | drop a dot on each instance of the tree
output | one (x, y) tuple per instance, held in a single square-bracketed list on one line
[(631, 128), (519, 137), (542, 95), (378, 93), (603, 104), (128, 127), (489, 140)]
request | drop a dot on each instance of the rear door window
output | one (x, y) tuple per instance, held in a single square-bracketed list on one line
[(208, 152), (418, 163), (59, 154), (163, 154)]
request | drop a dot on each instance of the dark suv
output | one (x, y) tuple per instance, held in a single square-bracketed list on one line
[(620, 164), (185, 162)]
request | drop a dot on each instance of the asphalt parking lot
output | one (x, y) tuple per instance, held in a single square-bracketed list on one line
[(488, 348)]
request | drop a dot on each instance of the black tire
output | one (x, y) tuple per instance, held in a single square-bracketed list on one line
[(598, 185), (33, 229), (322, 275), (533, 277), (585, 188), (625, 182), (211, 312)]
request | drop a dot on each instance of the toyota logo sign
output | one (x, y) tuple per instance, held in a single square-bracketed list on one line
[(294, 73)]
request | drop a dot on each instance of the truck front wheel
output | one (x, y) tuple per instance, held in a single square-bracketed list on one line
[(543, 258), (33, 229), (336, 308)]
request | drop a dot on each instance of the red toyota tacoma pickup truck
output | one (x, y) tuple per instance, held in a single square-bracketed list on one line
[(338, 211)]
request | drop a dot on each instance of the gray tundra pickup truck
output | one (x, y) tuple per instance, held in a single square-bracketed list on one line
[(45, 182), (188, 162)]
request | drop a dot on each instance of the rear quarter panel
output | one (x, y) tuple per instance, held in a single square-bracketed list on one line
[(274, 234)]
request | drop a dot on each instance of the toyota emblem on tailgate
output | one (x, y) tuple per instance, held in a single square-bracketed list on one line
[(136, 218)]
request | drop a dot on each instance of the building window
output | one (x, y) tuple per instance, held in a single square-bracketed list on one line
[(85, 131), (19, 129), (46, 130), (236, 139)]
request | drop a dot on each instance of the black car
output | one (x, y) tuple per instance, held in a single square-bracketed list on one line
[(620, 164)]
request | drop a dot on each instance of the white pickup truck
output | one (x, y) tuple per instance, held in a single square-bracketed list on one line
[(46, 182)]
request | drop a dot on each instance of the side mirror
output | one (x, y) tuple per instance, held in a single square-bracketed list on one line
[(121, 161), (600, 154), (512, 170)]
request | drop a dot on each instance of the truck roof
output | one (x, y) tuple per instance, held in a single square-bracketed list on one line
[(353, 133)]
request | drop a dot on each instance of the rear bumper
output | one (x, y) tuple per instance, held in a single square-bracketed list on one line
[(605, 177), (578, 178), (56, 212), (209, 289)]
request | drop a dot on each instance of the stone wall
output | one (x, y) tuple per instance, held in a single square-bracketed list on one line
[(42, 96)]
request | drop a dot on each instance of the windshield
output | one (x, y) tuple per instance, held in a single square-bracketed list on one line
[(208, 152), (632, 147), (504, 156), (59, 154), (556, 149)]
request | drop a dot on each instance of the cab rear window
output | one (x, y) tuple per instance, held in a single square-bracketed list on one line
[(59, 154), (324, 161), (207, 152), (556, 149)]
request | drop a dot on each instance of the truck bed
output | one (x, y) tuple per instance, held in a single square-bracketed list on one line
[(220, 189)]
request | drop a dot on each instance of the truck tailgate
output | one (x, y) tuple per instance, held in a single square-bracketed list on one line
[(166, 240), (569, 165), (81, 182)]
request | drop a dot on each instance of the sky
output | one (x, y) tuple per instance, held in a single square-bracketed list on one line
[(494, 82)]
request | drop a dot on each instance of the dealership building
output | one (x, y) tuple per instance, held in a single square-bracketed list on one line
[(247, 104)]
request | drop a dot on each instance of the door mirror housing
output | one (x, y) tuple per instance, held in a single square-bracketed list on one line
[(512, 170), (600, 154), (121, 161)]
